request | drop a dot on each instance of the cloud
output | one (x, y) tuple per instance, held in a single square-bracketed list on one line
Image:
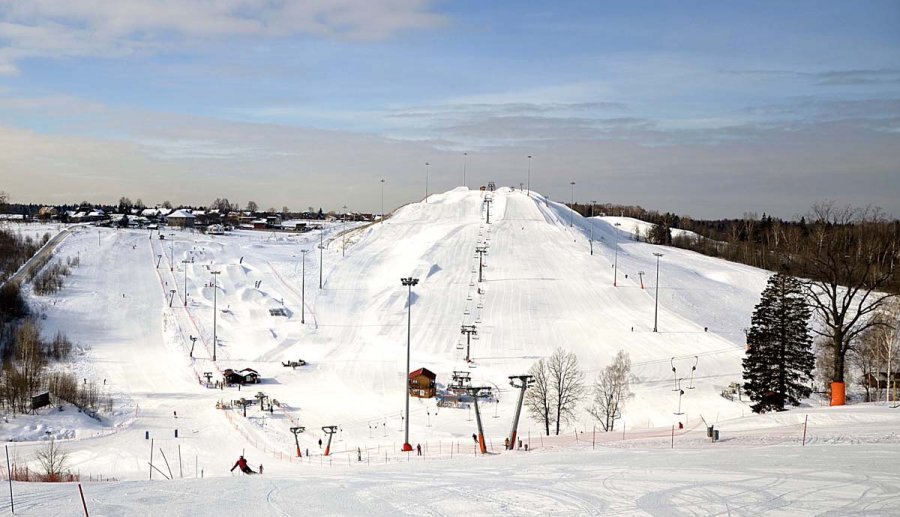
[(115, 28), (829, 77)]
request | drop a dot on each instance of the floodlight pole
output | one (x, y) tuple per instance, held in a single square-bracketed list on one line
[(303, 288), (215, 289), (329, 430), (572, 206), (656, 305), (185, 262), (469, 330), (426, 181), (524, 382), (296, 431), (528, 184), (321, 251), (616, 251), (481, 250), (409, 282), (474, 392), (382, 202), (592, 225), (465, 159)]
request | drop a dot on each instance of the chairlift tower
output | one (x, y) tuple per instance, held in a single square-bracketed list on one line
[(476, 392), (469, 331), (296, 432), (481, 250), (488, 200), (329, 430), (522, 383)]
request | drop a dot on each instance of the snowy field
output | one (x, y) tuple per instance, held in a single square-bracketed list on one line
[(135, 302)]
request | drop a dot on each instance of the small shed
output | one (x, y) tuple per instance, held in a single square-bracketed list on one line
[(245, 376), (422, 383)]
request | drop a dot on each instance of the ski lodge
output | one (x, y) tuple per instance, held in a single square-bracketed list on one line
[(245, 376), (421, 383)]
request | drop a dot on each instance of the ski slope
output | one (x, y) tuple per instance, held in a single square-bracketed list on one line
[(542, 289)]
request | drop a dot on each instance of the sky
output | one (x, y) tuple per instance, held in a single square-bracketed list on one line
[(709, 109)]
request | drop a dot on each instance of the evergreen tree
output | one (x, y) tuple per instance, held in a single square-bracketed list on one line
[(779, 359)]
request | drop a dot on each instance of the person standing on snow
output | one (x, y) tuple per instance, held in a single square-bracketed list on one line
[(242, 464)]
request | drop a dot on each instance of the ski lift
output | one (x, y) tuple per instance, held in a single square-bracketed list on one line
[(459, 345), (480, 305), (469, 297), (466, 312)]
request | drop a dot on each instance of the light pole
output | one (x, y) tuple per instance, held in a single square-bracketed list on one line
[(382, 202), (303, 289), (592, 225), (344, 234), (465, 158), (616, 255), (656, 305), (215, 275), (528, 184), (426, 181), (572, 206), (409, 282), (185, 262), (172, 259), (321, 251)]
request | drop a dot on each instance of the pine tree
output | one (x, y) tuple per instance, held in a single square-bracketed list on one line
[(779, 361)]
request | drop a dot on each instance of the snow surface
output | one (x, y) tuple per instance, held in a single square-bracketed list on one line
[(542, 289)]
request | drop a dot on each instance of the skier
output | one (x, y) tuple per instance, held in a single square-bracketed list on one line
[(418, 449), (474, 438), (320, 443), (242, 464), (506, 443), (260, 469), (358, 454)]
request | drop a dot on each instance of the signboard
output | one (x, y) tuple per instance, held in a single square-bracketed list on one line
[(39, 401)]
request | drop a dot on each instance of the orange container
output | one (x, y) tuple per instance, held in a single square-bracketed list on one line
[(838, 395)]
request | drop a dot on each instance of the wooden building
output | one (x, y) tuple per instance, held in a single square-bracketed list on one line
[(245, 376), (422, 383)]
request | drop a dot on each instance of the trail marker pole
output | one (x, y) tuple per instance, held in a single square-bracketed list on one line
[(805, 420), (12, 505), (83, 503)]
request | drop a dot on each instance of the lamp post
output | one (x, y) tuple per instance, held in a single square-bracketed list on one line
[(426, 181), (215, 275), (409, 282), (528, 184), (572, 206), (185, 262), (382, 202), (303, 289), (592, 225), (344, 234), (321, 251), (465, 158), (616, 255), (656, 305)]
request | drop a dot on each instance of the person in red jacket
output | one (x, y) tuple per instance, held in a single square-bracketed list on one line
[(242, 464)]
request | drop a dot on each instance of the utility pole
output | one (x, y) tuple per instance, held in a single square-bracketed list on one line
[(521, 382), (185, 262), (296, 431), (528, 184), (303, 289), (215, 275), (475, 392), (481, 250), (465, 159), (656, 304), (426, 181), (329, 430), (572, 206), (409, 282), (616, 251), (469, 331), (488, 200)]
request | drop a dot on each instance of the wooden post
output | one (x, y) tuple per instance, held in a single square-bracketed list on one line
[(83, 503), (805, 419)]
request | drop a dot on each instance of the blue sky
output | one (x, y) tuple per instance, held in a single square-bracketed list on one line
[(704, 108)]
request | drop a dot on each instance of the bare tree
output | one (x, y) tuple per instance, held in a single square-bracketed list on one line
[(252, 206), (52, 459), (566, 384), (849, 262), (611, 389), (538, 398)]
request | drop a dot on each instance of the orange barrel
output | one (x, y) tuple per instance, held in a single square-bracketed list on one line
[(838, 395)]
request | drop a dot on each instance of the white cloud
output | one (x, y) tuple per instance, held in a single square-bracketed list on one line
[(112, 28)]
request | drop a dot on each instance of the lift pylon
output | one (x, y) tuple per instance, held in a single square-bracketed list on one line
[(522, 382), (329, 430)]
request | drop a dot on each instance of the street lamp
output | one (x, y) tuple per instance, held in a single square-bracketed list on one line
[(465, 158), (382, 201), (426, 181), (303, 289), (572, 206), (616, 251), (321, 251), (215, 275), (409, 282), (656, 305), (528, 184)]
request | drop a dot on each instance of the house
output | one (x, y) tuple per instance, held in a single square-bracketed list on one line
[(879, 380), (245, 376), (181, 218), (259, 224), (422, 383)]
